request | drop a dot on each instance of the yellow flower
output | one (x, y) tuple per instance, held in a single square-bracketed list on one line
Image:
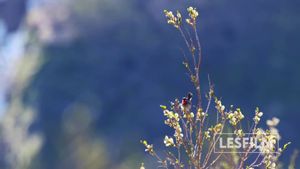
[(189, 116), (235, 117), (239, 133), (200, 114), (218, 128), (207, 135), (142, 166), (178, 135), (169, 141), (193, 13), (257, 116), (273, 123), (219, 106), (172, 19), (149, 147)]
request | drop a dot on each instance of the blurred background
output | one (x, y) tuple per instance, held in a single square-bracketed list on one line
[(81, 81)]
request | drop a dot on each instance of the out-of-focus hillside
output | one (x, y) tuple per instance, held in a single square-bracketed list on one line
[(105, 66)]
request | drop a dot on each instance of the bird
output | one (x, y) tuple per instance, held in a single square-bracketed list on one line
[(186, 103)]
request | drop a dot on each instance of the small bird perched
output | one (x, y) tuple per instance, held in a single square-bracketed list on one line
[(186, 103)]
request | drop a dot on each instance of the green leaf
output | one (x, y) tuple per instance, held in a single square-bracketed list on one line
[(163, 107), (286, 145)]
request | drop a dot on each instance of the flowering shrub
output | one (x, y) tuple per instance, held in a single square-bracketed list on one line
[(195, 142)]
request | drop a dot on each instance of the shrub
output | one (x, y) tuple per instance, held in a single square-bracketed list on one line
[(194, 144)]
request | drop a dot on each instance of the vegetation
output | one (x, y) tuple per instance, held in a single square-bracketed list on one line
[(194, 144)]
